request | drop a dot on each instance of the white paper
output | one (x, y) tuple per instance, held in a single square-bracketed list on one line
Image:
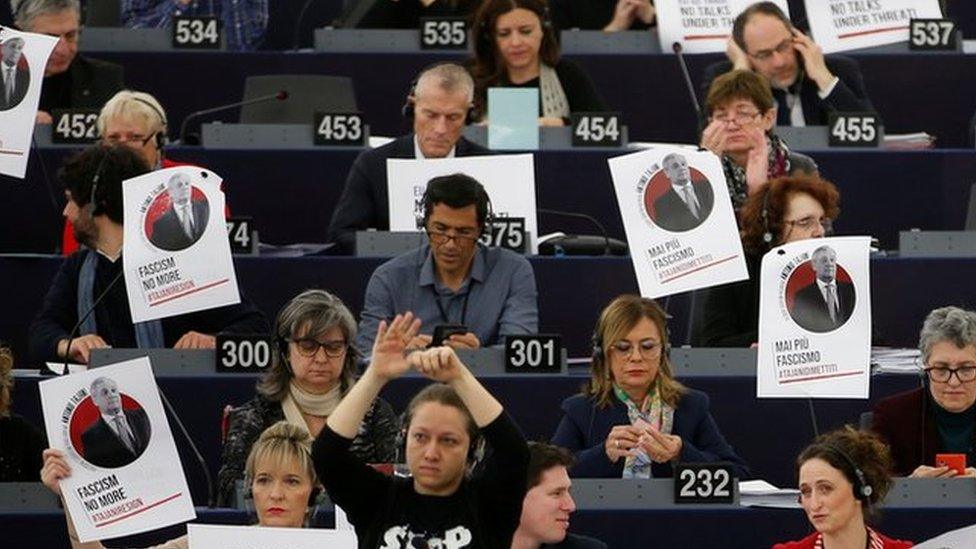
[(963, 538), (114, 491), (18, 113), (701, 26), (170, 270), (803, 351), (841, 25), (509, 181), (58, 367), (209, 536), (671, 251)]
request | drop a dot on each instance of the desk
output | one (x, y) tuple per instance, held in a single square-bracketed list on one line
[(291, 193), (732, 527)]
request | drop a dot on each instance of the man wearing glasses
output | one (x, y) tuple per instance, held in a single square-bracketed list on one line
[(71, 81), (454, 280), (940, 416), (806, 85), (437, 106)]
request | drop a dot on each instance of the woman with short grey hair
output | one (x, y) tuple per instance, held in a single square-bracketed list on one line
[(940, 416), (312, 368)]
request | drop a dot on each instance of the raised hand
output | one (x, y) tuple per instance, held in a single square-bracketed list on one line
[(389, 360), (715, 137), (757, 166), (813, 59), (439, 364)]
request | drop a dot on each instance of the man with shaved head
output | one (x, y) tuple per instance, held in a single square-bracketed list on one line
[(438, 105)]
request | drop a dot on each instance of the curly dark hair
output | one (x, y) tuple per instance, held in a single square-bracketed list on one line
[(773, 198), (847, 448), (487, 68), (104, 167)]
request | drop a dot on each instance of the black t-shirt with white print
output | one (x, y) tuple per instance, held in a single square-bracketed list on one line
[(389, 514)]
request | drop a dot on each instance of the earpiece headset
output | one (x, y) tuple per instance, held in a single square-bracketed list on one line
[(161, 138), (767, 236), (862, 490), (408, 110), (482, 195), (95, 205), (312, 496), (476, 447), (597, 341)]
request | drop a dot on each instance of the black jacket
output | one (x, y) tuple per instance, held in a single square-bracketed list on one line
[(363, 204), (848, 95), (810, 308), (88, 83), (671, 212), (168, 233), (104, 448)]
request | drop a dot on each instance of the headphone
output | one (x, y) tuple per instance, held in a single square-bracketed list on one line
[(597, 341), (767, 236), (482, 197), (313, 496), (408, 111), (862, 490), (161, 138), (476, 446), (95, 204)]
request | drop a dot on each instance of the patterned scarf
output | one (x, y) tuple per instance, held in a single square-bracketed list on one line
[(554, 102), (735, 175), (874, 541), (655, 412)]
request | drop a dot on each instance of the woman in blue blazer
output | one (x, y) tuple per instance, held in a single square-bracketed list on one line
[(633, 420)]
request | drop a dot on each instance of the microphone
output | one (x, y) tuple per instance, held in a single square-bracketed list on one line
[(84, 317), (211, 494), (297, 37), (590, 218), (676, 47), (281, 95)]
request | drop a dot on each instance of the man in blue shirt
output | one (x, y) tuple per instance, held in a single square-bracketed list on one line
[(454, 279), (243, 21)]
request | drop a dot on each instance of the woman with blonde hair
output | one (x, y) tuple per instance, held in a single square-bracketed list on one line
[(633, 419)]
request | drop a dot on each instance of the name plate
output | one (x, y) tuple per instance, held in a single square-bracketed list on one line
[(74, 126), (339, 129), (243, 353), (596, 129), (196, 33), (853, 129), (704, 483), (933, 35), (505, 232), (533, 354), (240, 232), (443, 33)]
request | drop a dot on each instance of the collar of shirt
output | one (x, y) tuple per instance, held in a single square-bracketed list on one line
[(823, 287), (110, 420), (418, 154), (429, 278), (110, 257)]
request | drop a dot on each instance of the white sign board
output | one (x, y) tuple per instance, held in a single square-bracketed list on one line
[(126, 476), (176, 254), (23, 56), (842, 25), (208, 536), (700, 26), (678, 241), (509, 181), (815, 319)]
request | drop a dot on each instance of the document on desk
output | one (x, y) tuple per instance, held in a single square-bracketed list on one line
[(678, 218), (175, 251), (815, 319), (126, 475), (23, 56)]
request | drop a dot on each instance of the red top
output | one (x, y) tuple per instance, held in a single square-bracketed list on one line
[(68, 243), (815, 541)]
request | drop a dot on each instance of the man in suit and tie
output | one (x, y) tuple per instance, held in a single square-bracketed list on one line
[(185, 220), (827, 303), (119, 436), (687, 203), (13, 74)]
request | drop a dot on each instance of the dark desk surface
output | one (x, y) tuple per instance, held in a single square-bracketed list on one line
[(291, 194), (732, 527)]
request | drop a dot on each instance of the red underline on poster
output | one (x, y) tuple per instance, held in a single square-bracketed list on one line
[(875, 31), (136, 512), (705, 36), (825, 376), (695, 270), (188, 292), (12, 153)]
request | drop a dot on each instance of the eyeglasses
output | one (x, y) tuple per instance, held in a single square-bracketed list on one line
[(309, 347), (116, 139), (740, 118), (809, 222), (765, 55), (461, 236), (647, 348), (942, 373)]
